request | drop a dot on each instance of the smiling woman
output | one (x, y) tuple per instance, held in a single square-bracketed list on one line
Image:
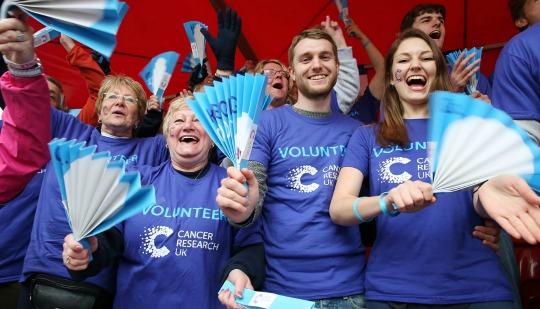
[(120, 105), (186, 234), (459, 267)]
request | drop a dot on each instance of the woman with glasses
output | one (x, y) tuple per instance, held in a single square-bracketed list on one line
[(120, 105)]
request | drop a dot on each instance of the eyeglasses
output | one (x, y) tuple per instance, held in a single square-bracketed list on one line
[(272, 73), (116, 97)]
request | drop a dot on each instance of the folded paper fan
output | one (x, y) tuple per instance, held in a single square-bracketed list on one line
[(94, 23), (196, 40), (452, 57), (229, 112), (261, 300), (157, 73), (45, 35), (471, 142), (96, 192)]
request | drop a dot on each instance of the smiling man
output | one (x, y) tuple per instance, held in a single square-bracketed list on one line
[(296, 155)]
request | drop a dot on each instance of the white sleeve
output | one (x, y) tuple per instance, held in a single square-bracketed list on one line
[(348, 81)]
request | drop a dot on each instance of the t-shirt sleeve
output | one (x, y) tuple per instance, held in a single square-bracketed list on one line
[(357, 153), (262, 150)]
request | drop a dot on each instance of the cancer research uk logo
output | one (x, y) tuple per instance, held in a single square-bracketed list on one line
[(187, 241), (297, 176), (149, 240)]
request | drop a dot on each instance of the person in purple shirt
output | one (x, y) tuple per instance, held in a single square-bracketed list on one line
[(171, 255), (296, 156), (424, 257), (516, 80)]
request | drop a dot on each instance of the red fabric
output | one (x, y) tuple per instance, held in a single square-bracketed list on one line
[(92, 74), (25, 132), (151, 27)]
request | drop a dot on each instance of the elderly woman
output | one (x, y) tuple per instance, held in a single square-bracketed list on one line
[(171, 255), (120, 105), (427, 258)]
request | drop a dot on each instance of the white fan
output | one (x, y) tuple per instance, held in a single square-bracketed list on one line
[(94, 23), (158, 72), (96, 192), (229, 112), (471, 142)]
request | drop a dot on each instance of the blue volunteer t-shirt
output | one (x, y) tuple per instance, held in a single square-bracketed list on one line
[(175, 250), (50, 225), (516, 83), (16, 217), (430, 256), (307, 255)]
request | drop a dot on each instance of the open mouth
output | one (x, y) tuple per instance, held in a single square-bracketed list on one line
[(416, 81), (277, 85), (118, 112), (190, 139), (435, 34)]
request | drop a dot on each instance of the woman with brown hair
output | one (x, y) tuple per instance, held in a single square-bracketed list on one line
[(430, 257)]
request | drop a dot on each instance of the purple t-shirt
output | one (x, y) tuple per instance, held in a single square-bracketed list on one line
[(44, 253), (175, 250), (516, 84), (307, 255), (430, 256)]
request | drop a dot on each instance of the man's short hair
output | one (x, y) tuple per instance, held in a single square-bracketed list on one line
[(408, 20)]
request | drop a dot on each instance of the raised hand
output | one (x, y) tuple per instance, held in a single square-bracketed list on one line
[(224, 44), (462, 71)]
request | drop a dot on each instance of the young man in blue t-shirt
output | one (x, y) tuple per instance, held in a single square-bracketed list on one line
[(296, 158)]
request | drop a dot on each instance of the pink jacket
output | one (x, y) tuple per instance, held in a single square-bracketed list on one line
[(25, 133)]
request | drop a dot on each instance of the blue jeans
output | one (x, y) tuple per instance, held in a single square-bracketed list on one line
[(347, 302), (397, 305)]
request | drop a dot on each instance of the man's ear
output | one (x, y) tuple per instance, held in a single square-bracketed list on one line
[(521, 22), (291, 74)]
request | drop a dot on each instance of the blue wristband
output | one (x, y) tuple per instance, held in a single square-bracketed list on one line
[(384, 208), (355, 210)]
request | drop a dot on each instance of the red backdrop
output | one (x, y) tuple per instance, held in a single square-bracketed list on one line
[(152, 27)]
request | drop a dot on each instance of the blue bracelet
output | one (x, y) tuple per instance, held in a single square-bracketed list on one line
[(355, 210), (384, 208)]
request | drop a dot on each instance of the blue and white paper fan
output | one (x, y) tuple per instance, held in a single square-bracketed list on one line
[(471, 142), (229, 112), (96, 192), (196, 40), (452, 57), (45, 35), (94, 23), (157, 73)]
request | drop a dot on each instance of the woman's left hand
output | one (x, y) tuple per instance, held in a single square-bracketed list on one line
[(513, 205), (241, 281)]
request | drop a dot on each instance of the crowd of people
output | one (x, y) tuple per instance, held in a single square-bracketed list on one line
[(318, 191)]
